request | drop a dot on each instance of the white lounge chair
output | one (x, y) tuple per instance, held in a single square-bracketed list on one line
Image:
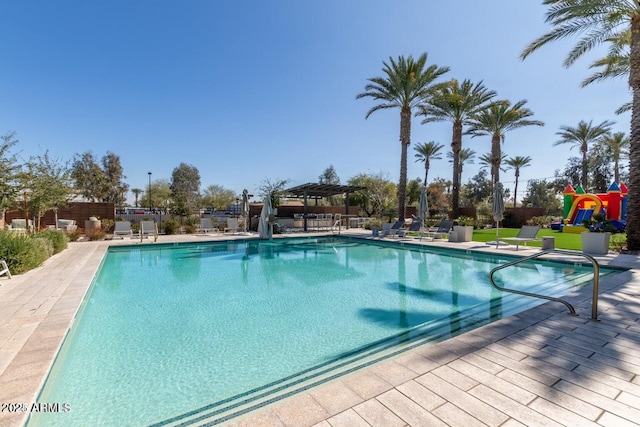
[(67, 225), (148, 228), (5, 269), (206, 226), (19, 225), (122, 228), (232, 225), (526, 234)]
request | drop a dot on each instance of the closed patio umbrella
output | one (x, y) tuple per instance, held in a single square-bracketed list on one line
[(423, 207), (245, 208), (497, 208), (264, 229)]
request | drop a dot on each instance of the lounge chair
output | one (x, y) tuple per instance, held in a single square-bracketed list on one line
[(5, 269), (415, 227), (19, 225), (206, 226), (443, 229), (232, 225), (393, 230), (67, 225), (526, 234), (148, 228), (122, 228)]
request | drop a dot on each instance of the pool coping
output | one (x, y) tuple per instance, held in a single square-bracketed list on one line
[(38, 307)]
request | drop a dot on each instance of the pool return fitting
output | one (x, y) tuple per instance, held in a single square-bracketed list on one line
[(596, 279)]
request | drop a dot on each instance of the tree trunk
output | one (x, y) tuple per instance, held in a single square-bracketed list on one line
[(426, 170), (405, 140), (515, 190), (633, 207), (496, 157), (456, 146), (585, 167)]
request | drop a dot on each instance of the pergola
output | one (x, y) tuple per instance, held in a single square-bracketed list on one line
[(318, 191)]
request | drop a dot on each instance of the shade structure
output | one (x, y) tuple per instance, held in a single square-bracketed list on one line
[(497, 208), (264, 228), (245, 208)]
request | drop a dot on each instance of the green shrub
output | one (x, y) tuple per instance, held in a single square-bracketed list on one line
[(466, 220), (74, 235), (22, 252), (542, 221), (58, 239), (618, 242), (170, 226), (190, 228)]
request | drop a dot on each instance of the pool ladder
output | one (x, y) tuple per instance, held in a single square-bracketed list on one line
[(596, 279)]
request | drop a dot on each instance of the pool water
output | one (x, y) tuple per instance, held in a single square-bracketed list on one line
[(177, 333)]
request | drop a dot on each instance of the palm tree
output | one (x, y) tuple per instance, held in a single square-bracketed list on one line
[(456, 103), (517, 163), (618, 143), (466, 155), (494, 121), (485, 161), (600, 21), (136, 192), (407, 83), (581, 136), (425, 152)]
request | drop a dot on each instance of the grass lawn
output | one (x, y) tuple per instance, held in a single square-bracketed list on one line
[(562, 240)]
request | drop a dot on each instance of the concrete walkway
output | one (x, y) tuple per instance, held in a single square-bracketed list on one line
[(540, 367)]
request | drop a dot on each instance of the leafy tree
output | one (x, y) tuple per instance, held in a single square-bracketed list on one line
[(99, 182), (217, 197), (497, 119), (273, 189), (542, 194), (161, 195), (582, 136), (378, 196), (602, 21), (618, 144), (407, 83), (456, 103), (413, 191), (426, 152), (49, 183), (517, 163), (439, 196), (477, 189), (329, 176), (9, 169), (600, 168), (185, 189)]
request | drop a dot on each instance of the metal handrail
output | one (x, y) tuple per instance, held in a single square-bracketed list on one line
[(596, 279)]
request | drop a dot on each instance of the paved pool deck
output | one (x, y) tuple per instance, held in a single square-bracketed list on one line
[(540, 367)]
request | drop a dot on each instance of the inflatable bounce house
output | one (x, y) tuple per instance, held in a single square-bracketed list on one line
[(580, 206)]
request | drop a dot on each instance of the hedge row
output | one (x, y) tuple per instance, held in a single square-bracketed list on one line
[(24, 252)]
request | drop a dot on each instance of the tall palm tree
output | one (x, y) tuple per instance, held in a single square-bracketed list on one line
[(599, 21), (497, 119), (466, 155), (485, 161), (517, 163), (426, 152), (406, 84), (456, 103), (136, 192), (618, 143), (581, 136)]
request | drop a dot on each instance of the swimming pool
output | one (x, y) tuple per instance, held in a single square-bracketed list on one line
[(179, 333)]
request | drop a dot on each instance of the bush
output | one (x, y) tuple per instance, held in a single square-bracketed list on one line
[(512, 221), (170, 226), (618, 242), (542, 221), (22, 252), (190, 228), (95, 234), (58, 239), (74, 235), (373, 222), (465, 220)]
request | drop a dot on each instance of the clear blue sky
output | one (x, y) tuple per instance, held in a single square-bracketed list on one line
[(248, 90)]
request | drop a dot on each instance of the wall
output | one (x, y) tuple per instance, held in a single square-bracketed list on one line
[(76, 210)]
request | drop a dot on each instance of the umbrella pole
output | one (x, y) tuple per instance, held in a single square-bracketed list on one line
[(497, 227)]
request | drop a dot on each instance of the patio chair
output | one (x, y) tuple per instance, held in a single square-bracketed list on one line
[(443, 229), (337, 222), (232, 225), (19, 225), (526, 234), (415, 227), (393, 230), (148, 228), (206, 226), (67, 225), (122, 228), (5, 269)]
